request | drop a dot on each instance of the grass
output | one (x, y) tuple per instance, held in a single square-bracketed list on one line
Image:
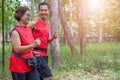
[(101, 62), (6, 68), (100, 58)]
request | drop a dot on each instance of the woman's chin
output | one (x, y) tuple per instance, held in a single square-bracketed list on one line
[(26, 22)]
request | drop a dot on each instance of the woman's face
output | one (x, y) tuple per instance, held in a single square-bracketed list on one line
[(43, 12), (26, 17)]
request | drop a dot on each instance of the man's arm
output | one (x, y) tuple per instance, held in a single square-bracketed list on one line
[(32, 25)]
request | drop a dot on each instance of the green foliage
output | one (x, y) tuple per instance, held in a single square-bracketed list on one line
[(9, 8), (112, 16), (108, 18)]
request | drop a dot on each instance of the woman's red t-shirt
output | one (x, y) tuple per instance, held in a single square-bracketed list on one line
[(17, 64)]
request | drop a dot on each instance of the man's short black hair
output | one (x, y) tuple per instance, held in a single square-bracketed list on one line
[(44, 3)]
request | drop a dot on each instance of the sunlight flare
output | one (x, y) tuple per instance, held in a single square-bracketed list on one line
[(95, 4)]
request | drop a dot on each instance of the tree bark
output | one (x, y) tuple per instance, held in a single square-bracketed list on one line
[(81, 25), (32, 9), (100, 34), (54, 27), (66, 29), (70, 16), (3, 44), (82, 28)]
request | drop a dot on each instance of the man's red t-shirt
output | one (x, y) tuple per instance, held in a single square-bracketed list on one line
[(42, 32), (17, 64)]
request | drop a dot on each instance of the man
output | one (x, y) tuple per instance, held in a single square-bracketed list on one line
[(42, 31)]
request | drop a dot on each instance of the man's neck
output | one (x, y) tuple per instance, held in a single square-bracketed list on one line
[(43, 20)]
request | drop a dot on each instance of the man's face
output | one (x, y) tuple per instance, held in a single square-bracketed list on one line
[(43, 12)]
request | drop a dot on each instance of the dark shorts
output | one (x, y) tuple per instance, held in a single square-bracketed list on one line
[(33, 75), (44, 70)]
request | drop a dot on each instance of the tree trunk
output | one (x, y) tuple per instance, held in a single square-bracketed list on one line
[(100, 34), (3, 44), (64, 39), (66, 29), (70, 16), (81, 26), (54, 27), (45, 0), (32, 9), (118, 36), (83, 30)]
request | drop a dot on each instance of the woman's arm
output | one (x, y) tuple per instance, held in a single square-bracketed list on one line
[(16, 43)]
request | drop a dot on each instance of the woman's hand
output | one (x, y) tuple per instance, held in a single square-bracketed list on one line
[(36, 43)]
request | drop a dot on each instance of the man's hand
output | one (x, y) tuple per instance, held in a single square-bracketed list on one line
[(36, 54), (55, 35), (31, 24)]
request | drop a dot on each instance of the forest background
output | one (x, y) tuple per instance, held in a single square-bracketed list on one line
[(88, 46)]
